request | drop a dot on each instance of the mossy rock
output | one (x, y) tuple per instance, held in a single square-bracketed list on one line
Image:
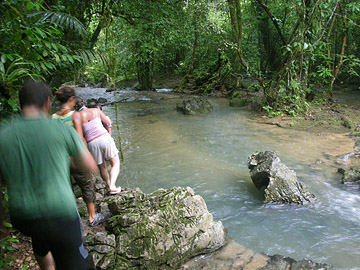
[(239, 102), (197, 105), (279, 182), (162, 230), (351, 175)]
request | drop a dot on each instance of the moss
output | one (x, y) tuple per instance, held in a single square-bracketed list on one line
[(348, 123), (83, 211), (238, 102)]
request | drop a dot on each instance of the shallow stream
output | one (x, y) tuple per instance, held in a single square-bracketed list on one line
[(164, 148)]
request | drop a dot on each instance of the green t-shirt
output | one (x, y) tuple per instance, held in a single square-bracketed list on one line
[(35, 163)]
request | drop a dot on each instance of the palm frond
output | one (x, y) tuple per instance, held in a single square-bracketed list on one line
[(66, 20), (90, 55)]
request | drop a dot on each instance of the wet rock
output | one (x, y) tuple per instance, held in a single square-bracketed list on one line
[(234, 256), (161, 230), (77, 190), (101, 100), (82, 207), (95, 101), (197, 105), (278, 262), (100, 186), (102, 250), (246, 98), (350, 175), (357, 145), (280, 183)]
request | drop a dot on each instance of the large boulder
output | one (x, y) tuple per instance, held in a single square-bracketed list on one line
[(161, 230), (280, 183), (197, 105)]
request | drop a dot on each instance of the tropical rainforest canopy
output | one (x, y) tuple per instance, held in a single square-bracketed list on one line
[(289, 49)]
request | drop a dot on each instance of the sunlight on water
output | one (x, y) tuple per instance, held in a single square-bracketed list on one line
[(164, 148)]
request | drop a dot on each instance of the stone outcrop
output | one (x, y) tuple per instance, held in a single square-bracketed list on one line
[(350, 168), (280, 183), (234, 256), (350, 175), (96, 101), (168, 229), (161, 230), (196, 105)]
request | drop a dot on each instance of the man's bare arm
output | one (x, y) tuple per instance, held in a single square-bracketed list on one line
[(85, 161)]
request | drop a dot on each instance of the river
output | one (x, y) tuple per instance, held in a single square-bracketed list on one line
[(164, 148)]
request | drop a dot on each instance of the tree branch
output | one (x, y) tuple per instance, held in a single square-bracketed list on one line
[(272, 18), (341, 59)]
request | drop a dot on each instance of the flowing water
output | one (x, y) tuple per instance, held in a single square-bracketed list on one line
[(164, 148)]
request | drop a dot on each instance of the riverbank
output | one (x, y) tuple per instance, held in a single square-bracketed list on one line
[(338, 115), (156, 123)]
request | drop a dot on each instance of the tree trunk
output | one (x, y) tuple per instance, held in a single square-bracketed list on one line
[(269, 57), (196, 37), (338, 65), (236, 25), (274, 21), (101, 23), (144, 75)]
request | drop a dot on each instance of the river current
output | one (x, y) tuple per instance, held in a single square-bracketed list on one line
[(164, 148)]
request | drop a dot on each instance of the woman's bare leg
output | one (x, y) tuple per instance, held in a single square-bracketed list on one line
[(114, 172), (104, 173)]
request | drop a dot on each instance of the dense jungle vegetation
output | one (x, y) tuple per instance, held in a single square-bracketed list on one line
[(287, 49), (291, 51)]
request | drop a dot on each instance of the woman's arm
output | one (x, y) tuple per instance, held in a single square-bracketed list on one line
[(76, 117), (106, 121)]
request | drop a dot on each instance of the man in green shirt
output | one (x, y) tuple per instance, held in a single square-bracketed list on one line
[(34, 162)]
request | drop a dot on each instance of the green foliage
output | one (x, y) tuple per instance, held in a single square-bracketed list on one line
[(59, 18), (32, 46), (6, 261), (291, 41)]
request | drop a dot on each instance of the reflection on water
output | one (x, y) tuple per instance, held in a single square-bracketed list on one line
[(164, 148)]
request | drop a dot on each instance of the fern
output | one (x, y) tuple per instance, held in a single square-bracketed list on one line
[(65, 20), (90, 55)]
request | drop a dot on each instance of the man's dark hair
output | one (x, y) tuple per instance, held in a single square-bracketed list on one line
[(34, 93)]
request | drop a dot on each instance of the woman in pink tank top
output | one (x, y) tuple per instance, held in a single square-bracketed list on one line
[(100, 144)]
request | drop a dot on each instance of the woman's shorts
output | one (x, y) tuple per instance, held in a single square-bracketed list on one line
[(103, 148)]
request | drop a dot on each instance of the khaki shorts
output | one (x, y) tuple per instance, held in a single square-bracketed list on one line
[(103, 148), (86, 182)]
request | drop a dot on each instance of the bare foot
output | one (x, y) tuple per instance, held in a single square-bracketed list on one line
[(117, 190)]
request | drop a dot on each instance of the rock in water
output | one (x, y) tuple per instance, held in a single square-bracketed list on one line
[(280, 183), (161, 230), (350, 175), (195, 106)]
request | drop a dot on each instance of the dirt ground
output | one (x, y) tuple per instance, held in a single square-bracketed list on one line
[(21, 257), (338, 115)]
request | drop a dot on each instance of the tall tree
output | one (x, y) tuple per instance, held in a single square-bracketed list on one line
[(236, 25)]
